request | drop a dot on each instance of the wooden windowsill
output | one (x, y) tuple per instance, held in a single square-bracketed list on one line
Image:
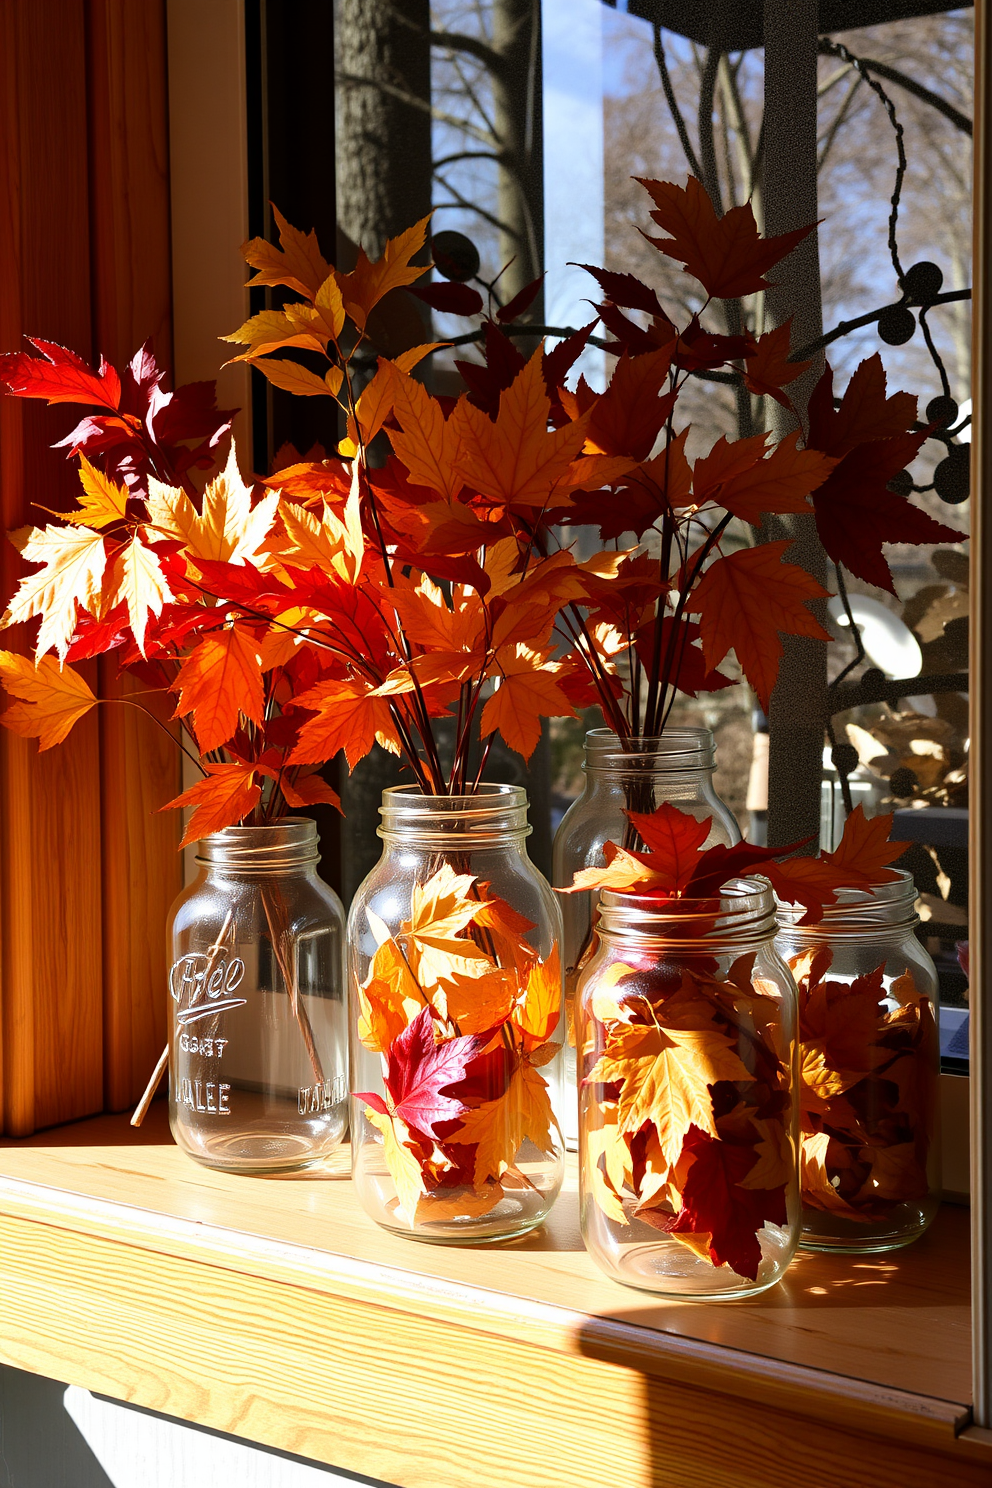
[(273, 1309)]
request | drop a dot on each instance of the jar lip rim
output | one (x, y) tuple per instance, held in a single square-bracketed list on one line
[(894, 894), (292, 842), (688, 735), (738, 894), (487, 792)]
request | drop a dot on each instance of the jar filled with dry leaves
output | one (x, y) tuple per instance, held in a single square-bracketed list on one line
[(456, 988), (870, 1066), (685, 1027), (631, 774), (258, 1075)]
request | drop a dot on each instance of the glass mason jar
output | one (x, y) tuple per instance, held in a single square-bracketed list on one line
[(258, 1074), (870, 1063), (688, 1130), (637, 774), (456, 989)]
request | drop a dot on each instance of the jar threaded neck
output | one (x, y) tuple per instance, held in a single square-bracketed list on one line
[(492, 815), (678, 751), (277, 848), (743, 913)]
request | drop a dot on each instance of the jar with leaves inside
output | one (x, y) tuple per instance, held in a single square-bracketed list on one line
[(636, 773), (456, 992), (686, 1020), (870, 1063)]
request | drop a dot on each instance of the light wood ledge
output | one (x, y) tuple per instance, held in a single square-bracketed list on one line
[(273, 1309)]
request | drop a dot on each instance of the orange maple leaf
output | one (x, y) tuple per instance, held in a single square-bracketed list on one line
[(348, 717), (747, 481), (427, 443), (220, 680), (628, 417), (865, 848), (745, 600), (516, 459), (865, 412), (226, 797), (365, 286), (300, 265), (725, 254), (501, 1127), (526, 693), (53, 698), (309, 790)]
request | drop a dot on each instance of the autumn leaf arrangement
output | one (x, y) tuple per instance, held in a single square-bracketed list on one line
[(685, 1054), (346, 600)]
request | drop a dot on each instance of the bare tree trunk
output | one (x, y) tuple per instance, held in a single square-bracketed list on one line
[(798, 706), (384, 121), (383, 152), (517, 94)]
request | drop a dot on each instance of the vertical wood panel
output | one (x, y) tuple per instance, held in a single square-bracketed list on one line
[(50, 973), (140, 767)]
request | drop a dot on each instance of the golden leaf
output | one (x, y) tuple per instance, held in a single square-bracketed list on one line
[(53, 698), (74, 560)]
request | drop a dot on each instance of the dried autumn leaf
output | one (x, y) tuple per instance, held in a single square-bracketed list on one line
[(419, 1069), (865, 413), (53, 698), (526, 692), (364, 287), (426, 442), (228, 530), (664, 1077), (299, 265), (348, 717), (294, 378), (674, 838), (74, 560), (60, 376), (714, 1202), (440, 911), (401, 1160), (516, 460), (779, 482), (725, 254), (768, 369), (309, 790), (501, 1127), (141, 585), (224, 799), (218, 682), (865, 849), (103, 502), (538, 1009), (745, 600)]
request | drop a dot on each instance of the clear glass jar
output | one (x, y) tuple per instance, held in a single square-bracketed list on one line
[(637, 774), (258, 1073), (688, 1130), (870, 1063), (454, 973)]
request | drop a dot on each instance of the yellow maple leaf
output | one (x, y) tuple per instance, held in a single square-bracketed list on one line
[(440, 910), (664, 1077), (103, 501), (53, 698), (74, 560), (390, 998), (403, 1164), (501, 1127), (537, 1011), (229, 529), (140, 584), (299, 265)]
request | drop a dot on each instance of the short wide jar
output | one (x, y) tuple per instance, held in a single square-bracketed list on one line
[(686, 1022), (870, 1063), (456, 1019), (258, 1074)]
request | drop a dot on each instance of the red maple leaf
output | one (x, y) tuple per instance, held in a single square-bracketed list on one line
[(726, 254), (673, 837), (420, 1069), (714, 1204), (60, 376)]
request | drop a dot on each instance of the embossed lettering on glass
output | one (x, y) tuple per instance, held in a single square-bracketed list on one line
[(258, 1030)]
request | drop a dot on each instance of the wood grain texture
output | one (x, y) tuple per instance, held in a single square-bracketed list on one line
[(274, 1309), (49, 804), (132, 303)]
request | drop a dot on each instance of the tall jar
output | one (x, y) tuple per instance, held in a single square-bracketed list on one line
[(258, 1075), (637, 774), (870, 1060), (456, 990), (686, 1025)]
